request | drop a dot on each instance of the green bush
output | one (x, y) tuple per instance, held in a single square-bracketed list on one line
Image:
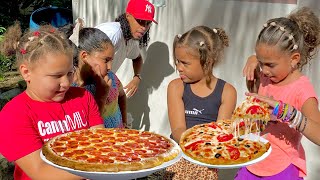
[(6, 63)]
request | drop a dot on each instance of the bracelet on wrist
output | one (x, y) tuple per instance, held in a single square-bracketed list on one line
[(138, 76)]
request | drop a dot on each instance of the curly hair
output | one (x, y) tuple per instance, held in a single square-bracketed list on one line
[(125, 27), (299, 32)]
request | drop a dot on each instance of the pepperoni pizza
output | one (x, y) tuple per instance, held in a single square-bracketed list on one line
[(109, 150)]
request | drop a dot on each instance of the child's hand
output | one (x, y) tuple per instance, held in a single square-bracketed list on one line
[(132, 87), (250, 67), (268, 100)]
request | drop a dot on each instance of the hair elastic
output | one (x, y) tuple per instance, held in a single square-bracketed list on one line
[(290, 37), (75, 35), (215, 30), (23, 51), (273, 24)]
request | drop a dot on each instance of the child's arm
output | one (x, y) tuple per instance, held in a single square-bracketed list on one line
[(122, 101), (309, 109), (311, 112), (228, 102), (176, 109), (251, 71), (36, 168)]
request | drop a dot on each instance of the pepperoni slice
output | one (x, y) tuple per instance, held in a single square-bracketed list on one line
[(133, 145), (72, 146), (131, 131), (114, 154), (106, 150), (133, 138), (74, 135), (123, 158), (145, 134), (82, 157), (95, 136), (122, 135), (104, 132), (109, 138), (72, 142), (105, 144), (68, 154), (78, 151), (123, 149), (147, 155), (95, 153), (82, 143), (107, 160), (164, 145), (132, 155), (58, 143), (135, 159), (88, 149), (93, 160), (150, 144), (121, 139), (96, 140), (141, 151), (64, 138), (82, 138), (59, 149)]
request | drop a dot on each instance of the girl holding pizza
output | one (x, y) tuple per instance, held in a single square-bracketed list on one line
[(48, 107), (94, 56), (198, 96), (307, 126), (283, 47)]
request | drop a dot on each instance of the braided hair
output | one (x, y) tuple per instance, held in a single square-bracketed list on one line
[(206, 43), (34, 44), (299, 32), (125, 27)]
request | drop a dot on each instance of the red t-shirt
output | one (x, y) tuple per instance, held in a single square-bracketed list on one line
[(26, 124)]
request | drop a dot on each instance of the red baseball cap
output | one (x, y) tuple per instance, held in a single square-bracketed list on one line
[(141, 9)]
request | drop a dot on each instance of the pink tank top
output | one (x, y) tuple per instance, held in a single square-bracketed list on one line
[(285, 141)]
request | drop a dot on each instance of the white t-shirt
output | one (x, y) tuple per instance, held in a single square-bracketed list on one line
[(130, 50)]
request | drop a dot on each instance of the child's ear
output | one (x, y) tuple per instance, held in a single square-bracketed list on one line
[(83, 55), (295, 59), (25, 72)]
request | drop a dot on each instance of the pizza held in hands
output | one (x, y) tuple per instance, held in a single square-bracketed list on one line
[(253, 109), (109, 150), (216, 145)]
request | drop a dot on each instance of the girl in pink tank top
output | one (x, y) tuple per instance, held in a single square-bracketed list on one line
[(283, 47)]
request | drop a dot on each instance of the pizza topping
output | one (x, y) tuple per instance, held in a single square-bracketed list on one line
[(217, 155), (194, 145), (224, 137)]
